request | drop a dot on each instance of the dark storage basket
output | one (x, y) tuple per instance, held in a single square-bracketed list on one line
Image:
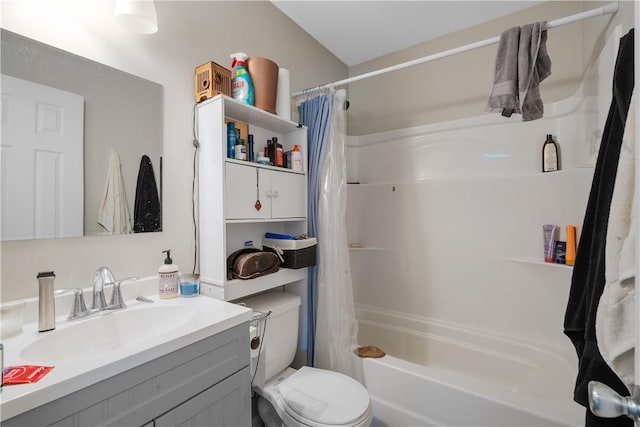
[(293, 258)]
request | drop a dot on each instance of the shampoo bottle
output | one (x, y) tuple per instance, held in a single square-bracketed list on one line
[(169, 279), (550, 157), (231, 139), (241, 84)]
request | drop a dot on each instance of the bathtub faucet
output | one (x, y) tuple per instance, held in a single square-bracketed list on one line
[(605, 402)]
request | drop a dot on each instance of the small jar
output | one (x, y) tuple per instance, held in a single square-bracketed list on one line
[(241, 152)]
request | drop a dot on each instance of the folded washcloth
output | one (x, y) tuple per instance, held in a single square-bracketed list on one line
[(534, 65), (504, 93), (522, 62)]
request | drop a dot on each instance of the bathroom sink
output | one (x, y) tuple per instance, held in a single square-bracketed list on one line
[(107, 332)]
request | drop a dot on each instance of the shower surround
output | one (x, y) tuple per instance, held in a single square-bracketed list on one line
[(450, 280)]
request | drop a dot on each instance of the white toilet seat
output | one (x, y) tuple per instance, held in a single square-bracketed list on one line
[(316, 397)]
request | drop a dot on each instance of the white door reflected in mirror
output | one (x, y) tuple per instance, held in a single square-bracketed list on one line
[(42, 161)]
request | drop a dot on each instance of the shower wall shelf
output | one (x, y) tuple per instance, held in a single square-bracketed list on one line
[(538, 261)]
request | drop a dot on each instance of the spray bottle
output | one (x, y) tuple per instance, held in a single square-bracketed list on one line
[(241, 84)]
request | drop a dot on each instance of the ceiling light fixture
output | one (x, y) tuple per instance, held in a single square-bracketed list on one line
[(137, 15)]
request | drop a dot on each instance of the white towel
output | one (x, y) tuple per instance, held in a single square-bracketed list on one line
[(113, 214), (616, 314)]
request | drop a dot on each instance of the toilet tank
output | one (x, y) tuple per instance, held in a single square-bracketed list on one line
[(281, 333)]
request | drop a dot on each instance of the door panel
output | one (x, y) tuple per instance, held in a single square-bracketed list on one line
[(42, 154), (288, 190)]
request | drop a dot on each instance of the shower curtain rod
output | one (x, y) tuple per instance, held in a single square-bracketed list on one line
[(609, 9)]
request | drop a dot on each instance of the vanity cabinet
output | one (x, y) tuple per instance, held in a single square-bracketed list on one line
[(229, 190), (207, 382)]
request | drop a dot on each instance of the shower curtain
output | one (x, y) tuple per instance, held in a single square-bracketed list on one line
[(331, 297)]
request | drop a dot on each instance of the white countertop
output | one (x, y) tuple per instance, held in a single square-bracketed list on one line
[(210, 317)]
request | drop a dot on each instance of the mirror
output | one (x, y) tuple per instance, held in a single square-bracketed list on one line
[(81, 118)]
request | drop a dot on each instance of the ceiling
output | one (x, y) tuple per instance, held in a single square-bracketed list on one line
[(357, 31)]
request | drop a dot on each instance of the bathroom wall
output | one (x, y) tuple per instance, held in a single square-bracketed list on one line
[(191, 33), (455, 87)]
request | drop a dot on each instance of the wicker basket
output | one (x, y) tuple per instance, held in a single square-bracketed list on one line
[(295, 253)]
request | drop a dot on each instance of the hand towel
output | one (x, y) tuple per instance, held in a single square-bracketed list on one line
[(113, 214), (504, 93), (522, 62), (616, 311), (534, 65)]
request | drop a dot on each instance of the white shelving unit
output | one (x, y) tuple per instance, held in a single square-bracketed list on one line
[(228, 190)]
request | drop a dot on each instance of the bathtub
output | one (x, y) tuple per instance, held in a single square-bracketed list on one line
[(440, 374)]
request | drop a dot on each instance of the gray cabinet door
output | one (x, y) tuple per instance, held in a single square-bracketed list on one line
[(227, 404)]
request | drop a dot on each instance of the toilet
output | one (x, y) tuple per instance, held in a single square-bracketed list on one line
[(307, 396)]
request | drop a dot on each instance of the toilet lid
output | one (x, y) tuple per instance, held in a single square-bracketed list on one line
[(324, 397)]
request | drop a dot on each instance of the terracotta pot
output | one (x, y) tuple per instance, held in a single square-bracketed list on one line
[(264, 75)]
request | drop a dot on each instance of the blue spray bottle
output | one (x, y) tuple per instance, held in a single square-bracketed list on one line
[(241, 84)]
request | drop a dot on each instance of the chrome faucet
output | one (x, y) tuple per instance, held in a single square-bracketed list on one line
[(104, 277), (78, 308), (46, 302)]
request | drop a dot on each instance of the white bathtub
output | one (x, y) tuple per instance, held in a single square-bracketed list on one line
[(439, 374)]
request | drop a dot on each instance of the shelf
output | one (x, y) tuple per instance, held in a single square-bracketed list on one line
[(367, 248), (537, 261), (234, 289), (254, 220), (463, 178), (261, 166), (254, 116)]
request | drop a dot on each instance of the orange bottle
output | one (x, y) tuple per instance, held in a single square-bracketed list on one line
[(570, 257)]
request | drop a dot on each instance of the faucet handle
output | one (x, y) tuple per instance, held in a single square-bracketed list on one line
[(116, 296), (78, 308)]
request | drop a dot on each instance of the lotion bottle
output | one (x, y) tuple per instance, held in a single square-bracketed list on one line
[(169, 278), (296, 158)]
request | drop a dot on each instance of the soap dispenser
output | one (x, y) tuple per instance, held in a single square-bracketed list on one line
[(168, 278)]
